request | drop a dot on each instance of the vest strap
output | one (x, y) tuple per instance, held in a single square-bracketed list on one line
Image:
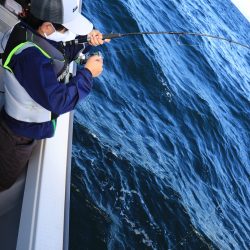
[(19, 49)]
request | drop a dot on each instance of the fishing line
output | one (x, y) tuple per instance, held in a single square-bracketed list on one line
[(180, 33), (109, 51), (143, 47)]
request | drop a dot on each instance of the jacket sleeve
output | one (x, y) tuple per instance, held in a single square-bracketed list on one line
[(35, 73)]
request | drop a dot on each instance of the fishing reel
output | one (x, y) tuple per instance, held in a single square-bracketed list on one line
[(83, 58)]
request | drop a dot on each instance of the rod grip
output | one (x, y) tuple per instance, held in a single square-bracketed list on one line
[(85, 39), (111, 36)]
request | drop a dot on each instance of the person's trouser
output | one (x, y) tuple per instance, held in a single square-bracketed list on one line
[(15, 152)]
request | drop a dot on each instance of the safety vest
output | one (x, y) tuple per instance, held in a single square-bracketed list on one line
[(18, 103)]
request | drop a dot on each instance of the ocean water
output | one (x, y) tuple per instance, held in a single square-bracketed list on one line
[(161, 147)]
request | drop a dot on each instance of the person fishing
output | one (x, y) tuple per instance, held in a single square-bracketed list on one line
[(36, 63)]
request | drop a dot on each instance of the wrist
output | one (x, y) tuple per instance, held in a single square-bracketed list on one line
[(88, 70)]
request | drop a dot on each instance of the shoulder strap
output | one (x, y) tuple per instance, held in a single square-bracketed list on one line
[(18, 49), (45, 45), (22, 37)]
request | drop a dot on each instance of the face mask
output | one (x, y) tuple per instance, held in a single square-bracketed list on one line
[(61, 37)]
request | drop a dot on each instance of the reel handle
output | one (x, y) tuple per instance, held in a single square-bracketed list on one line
[(83, 58)]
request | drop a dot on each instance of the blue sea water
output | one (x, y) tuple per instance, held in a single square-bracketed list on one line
[(161, 156)]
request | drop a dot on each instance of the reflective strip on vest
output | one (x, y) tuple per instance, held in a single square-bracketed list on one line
[(18, 103)]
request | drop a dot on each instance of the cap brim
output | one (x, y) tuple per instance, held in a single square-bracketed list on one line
[(79, 25)]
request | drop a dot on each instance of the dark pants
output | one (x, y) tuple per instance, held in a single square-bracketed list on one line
[(15, 152)]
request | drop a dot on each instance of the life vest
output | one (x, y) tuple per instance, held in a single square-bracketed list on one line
[(18, 103)]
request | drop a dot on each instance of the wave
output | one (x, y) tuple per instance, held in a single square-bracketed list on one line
[(160, 157), (127, 211)]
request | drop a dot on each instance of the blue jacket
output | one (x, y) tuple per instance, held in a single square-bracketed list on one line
[(36, 75)]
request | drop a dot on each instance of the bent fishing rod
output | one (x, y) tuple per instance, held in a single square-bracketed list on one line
[(85, 39)]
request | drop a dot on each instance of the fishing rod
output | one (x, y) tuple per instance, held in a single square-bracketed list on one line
[(85, 39)]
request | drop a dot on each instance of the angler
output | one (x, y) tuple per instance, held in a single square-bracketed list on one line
[(35, 64)]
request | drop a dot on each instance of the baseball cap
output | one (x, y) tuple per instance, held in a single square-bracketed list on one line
[(65, 12)]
